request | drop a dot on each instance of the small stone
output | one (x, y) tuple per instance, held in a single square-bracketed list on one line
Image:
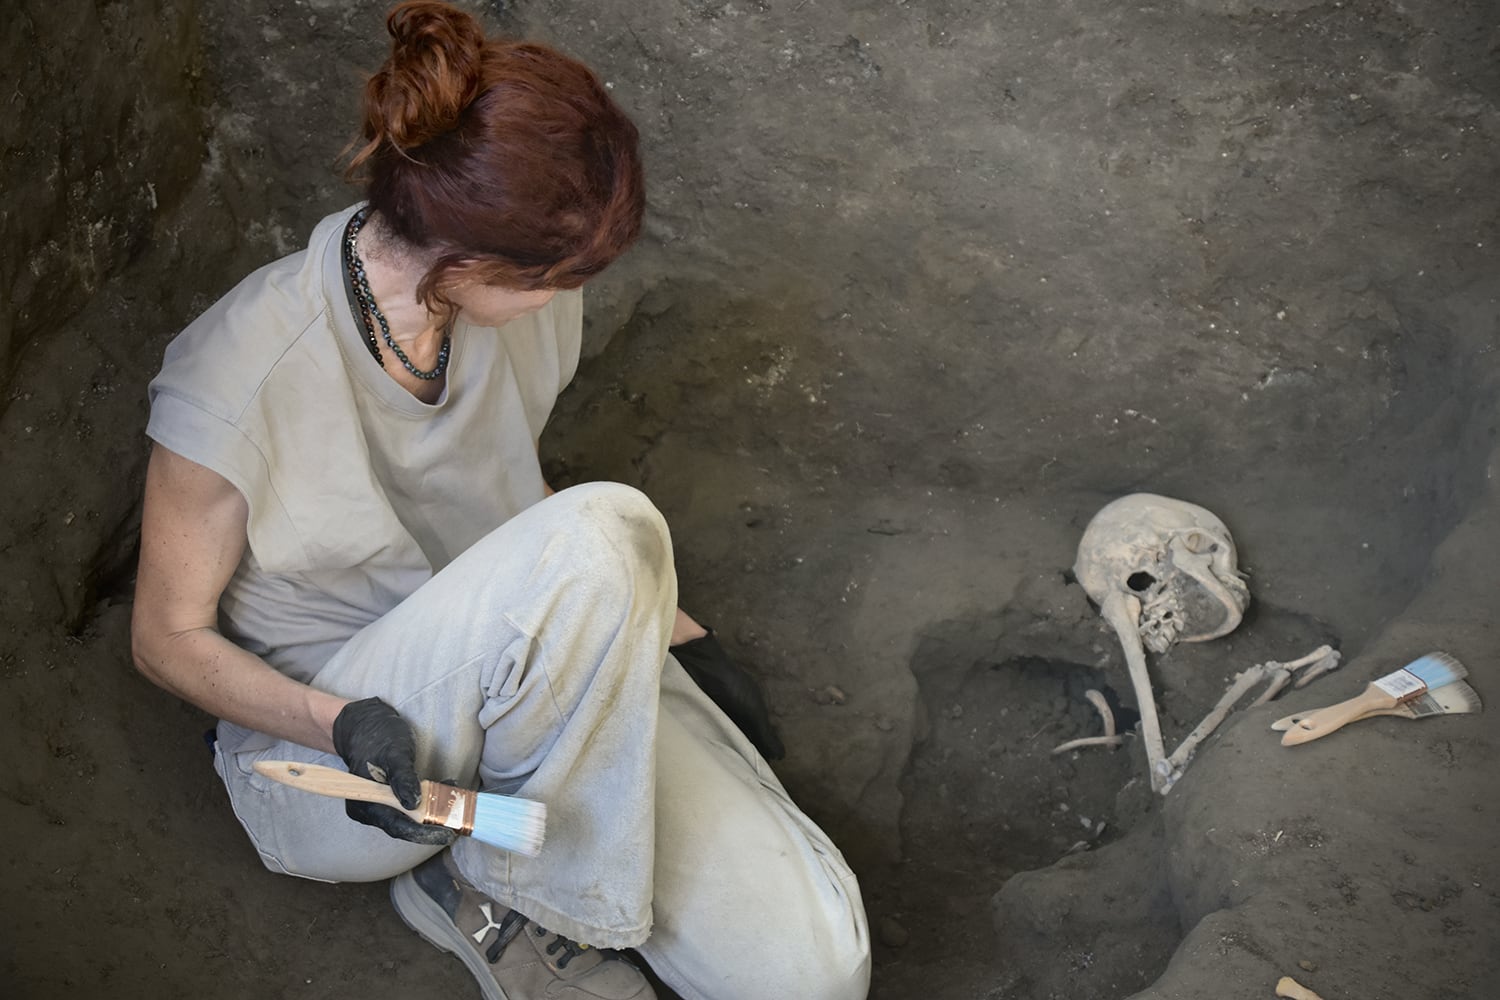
[(1307, 966), (830, 695), (892, 934)]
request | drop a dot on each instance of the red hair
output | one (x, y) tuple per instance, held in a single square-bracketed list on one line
[(508, 159)]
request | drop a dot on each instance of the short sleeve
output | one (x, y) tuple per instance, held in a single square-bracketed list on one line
[(219, 446)]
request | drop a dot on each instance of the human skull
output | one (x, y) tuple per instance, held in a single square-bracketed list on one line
[(1174, 560)]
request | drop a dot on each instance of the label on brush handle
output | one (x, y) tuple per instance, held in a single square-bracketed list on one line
[(1401, 685)]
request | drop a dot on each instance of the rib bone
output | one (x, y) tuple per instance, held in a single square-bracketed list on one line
[(1109, 739)]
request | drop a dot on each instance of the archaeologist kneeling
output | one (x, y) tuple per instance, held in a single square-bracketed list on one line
[(350, 557)]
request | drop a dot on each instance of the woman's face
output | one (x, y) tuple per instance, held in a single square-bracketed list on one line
[(491, 305)]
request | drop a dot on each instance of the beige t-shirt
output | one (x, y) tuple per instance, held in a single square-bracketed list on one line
[(358, 492)]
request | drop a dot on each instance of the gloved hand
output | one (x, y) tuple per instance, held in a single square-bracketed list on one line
[(377, 743), (736, 693)]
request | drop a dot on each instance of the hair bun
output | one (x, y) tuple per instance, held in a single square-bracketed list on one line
[(432, 75)]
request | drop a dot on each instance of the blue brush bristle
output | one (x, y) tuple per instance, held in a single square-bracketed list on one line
[(510, 823), (1437, 669)]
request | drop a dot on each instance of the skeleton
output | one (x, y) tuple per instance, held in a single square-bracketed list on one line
[(1162, 572)]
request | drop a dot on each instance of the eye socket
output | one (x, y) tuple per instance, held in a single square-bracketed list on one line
[(1140, 582)]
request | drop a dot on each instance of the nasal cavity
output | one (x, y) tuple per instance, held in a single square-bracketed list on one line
[(1140, 582)]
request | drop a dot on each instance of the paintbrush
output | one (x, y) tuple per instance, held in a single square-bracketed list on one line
[(1411, 682), (1457, 698), (500, 820)]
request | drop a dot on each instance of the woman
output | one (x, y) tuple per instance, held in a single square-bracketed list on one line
[(350, 557)]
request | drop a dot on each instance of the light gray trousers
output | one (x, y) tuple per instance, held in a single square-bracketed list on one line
[(537, 662)]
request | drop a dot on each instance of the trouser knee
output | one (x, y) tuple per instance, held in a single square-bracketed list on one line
[(617, 545), (843, 975)]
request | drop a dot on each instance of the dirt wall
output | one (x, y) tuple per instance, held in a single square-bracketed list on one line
[(102, 133)]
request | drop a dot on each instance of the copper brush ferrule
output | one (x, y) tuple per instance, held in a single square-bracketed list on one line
[(449, 806)]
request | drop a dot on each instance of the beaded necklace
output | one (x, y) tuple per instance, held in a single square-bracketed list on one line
[(370, 313)]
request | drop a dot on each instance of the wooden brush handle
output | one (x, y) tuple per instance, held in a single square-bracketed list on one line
[(1326, 720), (1286, 722), (330, 781)]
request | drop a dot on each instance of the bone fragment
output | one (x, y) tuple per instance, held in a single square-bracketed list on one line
[(1286, 986), (1109, 739), (1280, 678), (1089, 741), (1312, 657), (1319, 662), (1102, 707), (1329, 662), (1243, 682)]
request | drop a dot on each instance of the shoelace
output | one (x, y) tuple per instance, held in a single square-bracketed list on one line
[(510, 926), (571, 949)]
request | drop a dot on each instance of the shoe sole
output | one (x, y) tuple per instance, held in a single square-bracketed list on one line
[(422, 914)]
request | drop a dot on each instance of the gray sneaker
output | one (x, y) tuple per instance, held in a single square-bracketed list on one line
[(511, 957)]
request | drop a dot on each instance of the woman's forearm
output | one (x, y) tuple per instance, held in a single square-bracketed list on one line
[(192, 538), (202, 667)]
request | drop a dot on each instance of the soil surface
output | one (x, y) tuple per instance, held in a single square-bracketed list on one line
[(925, 285)]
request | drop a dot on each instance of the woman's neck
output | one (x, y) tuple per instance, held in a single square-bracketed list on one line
[(394, 271)]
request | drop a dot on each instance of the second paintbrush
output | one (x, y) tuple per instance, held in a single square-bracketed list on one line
[(1411, 682), (1456, 698)]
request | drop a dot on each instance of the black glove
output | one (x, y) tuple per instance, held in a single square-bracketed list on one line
[(377, 743), (736, 693)]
